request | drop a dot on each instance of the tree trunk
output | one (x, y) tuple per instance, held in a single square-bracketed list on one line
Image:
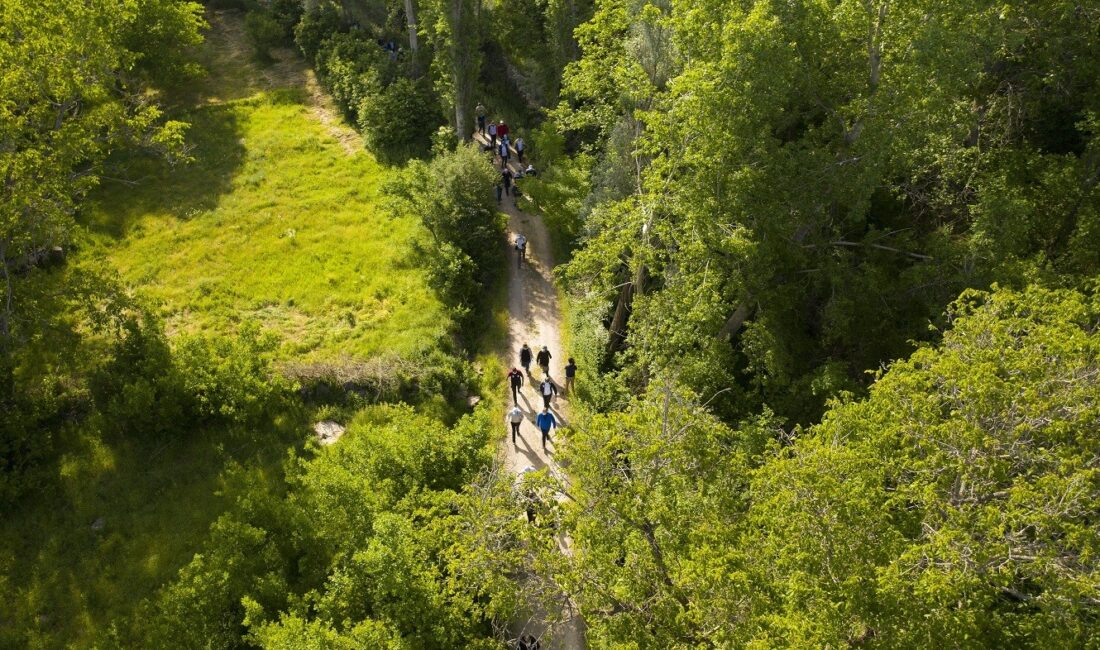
[(620, 321)]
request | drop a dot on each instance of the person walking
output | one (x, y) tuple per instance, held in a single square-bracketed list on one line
[(520, 146), (521, 250), (545, 422), (548, 389), (515, 418), (570, 376), (492, 134), (525, 358), (502, 129), (480, 112), (504, 152), (515, 379), (506, 180), (543, 359)]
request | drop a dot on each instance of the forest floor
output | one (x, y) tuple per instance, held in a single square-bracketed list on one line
[(534, 317)]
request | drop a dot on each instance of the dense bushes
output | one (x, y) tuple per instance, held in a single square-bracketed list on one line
[(396, 111), (453, 194), (355, 552)]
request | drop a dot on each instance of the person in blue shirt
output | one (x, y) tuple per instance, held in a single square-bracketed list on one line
[(546, 421)]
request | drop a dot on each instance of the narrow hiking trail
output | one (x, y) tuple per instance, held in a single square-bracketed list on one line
[(535, 318)]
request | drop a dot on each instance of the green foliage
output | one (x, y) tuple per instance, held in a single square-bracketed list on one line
[(872, 169), (315, 27), (361, 535), (956, 501), (398, 121), (264, 31), (453, 195), (64, 112)]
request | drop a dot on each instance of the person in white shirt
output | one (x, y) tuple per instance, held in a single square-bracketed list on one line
[(515, 418), (521, 250), (520, 146), (548, 390)]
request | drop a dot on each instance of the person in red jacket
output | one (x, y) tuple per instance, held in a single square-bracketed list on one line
[(502, 129)]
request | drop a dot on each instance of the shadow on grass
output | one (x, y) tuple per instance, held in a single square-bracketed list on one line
[(138, 183)]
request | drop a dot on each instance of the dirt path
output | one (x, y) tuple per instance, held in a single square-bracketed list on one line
[(534, 318)]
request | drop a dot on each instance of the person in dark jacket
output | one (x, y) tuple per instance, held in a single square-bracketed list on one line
[(570, 376), (515, 378), (544, 360), (525, 358), (506, 178)]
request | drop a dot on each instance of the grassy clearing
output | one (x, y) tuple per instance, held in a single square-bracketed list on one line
[(272, 222), (276, 221)]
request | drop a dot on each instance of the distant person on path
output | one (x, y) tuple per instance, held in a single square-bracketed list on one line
[(528, 642), (506, 180), (502, 129), (492, 134), (515, 418), (525, 358), (480, 111), (515, 379), (548, 389), (530, 171), (546, 421), (504, 152), (520, 146), (543, 359), (521, 250), (570, 376)]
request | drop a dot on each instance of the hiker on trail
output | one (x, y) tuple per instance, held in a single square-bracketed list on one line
[(492, 134), (515, 418), (548, 389), (502, 129), (521, 250), (531, 498), (504, 152), (528, 642), (515, 379), (506, 180), (480, 112), (520, 146), (530, 171), (525, 357), (570, 376), (544, 360), (546, 421)]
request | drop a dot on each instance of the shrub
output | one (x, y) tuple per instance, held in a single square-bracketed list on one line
[(315, 27), (288, 13), (230, 380), (264, 31), (398, 122), (352, 68), (453, 194)]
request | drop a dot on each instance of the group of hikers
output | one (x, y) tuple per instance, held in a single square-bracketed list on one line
[(501, 146), (547, 388)]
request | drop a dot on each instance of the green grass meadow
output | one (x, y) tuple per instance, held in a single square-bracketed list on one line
[(276, 222)]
